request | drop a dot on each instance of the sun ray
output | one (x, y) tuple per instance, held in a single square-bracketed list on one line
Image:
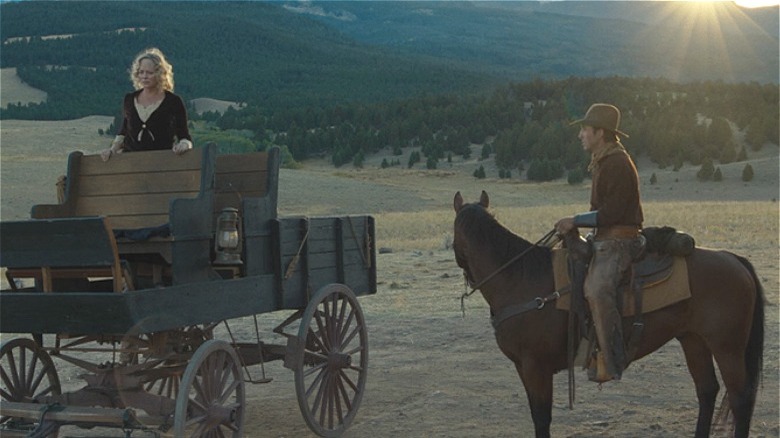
[(701, 35)]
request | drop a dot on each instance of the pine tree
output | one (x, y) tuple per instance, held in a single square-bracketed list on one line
[(486, 150), (706, 171), (747, 173), (717, 175)]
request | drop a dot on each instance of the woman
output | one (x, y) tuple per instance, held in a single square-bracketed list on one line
[(153, 118)]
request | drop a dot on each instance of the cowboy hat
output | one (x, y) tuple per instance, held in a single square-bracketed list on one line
[(604, 116)]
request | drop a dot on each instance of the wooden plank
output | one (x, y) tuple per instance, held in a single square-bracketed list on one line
[(134, 204), (248, 162), (147, 310), (347, 244), (145, 181), (290, 246), (331, 260), (92, 416), (150, 161), (241, 182)]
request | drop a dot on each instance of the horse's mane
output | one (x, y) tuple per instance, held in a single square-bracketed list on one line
[(478, 224)]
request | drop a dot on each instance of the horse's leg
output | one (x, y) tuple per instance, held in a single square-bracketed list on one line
[(702, 369), (741, 399), (538, 383)]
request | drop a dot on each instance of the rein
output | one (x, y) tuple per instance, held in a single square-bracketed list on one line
[(536, 303)]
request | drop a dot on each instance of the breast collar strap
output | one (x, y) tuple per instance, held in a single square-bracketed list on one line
[(537, 303)]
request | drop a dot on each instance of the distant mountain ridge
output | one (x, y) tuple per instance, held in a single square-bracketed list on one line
[(681, 41), (300, 54)]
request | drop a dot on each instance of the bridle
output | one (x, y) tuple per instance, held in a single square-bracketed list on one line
[(547, 240), (537, 303)]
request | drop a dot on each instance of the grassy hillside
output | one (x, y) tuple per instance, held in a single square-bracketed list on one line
[(252, 52)]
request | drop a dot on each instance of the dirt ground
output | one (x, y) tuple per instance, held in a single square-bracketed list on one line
[(433, 372)]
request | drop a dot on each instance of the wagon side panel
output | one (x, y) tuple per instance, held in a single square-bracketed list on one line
[(314, 252)]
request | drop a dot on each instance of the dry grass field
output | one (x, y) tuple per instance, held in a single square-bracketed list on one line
[(434, 373)]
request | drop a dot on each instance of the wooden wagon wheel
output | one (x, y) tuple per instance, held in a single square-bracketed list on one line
[(211, 394), (28, 375), (332, 362)]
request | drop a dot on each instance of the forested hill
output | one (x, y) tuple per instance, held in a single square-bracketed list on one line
[(319, 54), (253, 52)]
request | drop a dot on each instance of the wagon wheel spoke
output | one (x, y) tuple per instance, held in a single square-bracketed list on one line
[(27, 374), (210, 402), (332, 361), (163, 375)]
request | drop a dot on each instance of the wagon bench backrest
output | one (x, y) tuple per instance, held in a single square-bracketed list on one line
[(133, 189)]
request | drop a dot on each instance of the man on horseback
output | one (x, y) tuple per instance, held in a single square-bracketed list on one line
[(616, 216)]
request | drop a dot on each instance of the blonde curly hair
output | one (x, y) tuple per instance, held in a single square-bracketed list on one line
[(164, 70)]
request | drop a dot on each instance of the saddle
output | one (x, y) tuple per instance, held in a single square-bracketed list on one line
[(661, 276)]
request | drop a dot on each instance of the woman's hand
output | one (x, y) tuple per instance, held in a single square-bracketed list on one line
[(116, 148), (181, 146)]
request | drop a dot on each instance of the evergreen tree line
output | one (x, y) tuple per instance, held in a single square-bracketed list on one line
[(528, 124)]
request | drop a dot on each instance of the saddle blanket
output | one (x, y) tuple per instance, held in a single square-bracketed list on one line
[(672, 289)]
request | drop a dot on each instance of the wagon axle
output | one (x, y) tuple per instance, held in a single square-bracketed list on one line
[(337, 361)]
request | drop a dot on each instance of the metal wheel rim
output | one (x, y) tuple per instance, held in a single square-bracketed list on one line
[(211, 395), (27, 373), (330, 387)]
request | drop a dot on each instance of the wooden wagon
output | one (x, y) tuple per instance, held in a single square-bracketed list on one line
[(147, 254)]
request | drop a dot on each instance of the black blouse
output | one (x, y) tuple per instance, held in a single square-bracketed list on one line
[(166, 125)]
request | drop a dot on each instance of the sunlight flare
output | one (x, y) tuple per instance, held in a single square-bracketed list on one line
[(750, 4), (702, 34)]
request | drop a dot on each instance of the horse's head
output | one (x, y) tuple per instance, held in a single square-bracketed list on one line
[(459, 241)]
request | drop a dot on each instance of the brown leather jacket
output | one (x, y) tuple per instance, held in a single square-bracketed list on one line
[(615, 192)]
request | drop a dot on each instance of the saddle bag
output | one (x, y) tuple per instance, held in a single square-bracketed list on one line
[(667, 240)]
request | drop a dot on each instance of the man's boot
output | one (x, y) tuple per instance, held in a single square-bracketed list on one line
[(608, 363)]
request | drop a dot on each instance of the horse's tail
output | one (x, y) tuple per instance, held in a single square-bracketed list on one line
[(754, 353)]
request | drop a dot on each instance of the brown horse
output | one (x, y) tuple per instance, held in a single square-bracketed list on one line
[(723, 319)]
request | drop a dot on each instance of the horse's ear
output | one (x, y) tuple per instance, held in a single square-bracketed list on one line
[(457, 202), (484, 200)]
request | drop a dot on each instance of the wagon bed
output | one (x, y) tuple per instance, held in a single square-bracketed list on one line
[(152, 304), (308, 253)]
